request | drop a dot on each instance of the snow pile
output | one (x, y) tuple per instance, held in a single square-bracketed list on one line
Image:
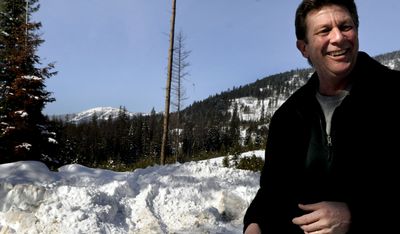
[(195, 197)]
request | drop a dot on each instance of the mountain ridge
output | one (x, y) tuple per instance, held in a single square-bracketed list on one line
[(267, 93)]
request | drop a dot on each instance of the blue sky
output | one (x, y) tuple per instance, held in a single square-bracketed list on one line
[(115, 53)]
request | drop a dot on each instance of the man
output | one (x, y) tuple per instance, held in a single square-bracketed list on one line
[(329, 161)]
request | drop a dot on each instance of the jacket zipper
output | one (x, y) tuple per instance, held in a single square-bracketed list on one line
[(329, 144), (328, 137)]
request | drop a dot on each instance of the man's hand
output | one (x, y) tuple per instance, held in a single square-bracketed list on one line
[(324, 218), (253, 228)]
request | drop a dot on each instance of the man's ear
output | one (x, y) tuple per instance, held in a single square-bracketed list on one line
[(302, 47)]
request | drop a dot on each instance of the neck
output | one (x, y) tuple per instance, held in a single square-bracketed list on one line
[(333, 86)]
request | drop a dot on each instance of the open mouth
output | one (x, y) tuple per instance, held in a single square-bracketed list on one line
[(337, 53)]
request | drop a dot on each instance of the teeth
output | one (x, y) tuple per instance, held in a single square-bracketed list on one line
[(337, 53)]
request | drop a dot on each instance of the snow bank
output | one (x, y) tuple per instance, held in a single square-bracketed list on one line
[(195, 197)]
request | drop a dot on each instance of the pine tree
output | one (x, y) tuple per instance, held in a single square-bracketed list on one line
[(24, 131), (234, 126), (155, 133)]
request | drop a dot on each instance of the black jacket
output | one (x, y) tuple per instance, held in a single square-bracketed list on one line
[(357, 168)]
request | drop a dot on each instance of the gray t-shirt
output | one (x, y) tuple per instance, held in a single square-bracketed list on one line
[(329, 104)]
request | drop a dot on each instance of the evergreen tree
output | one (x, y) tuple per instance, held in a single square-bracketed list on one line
[(213, 140), (262, 114), (155, 133), (188, 139), (24, 131), (234, 126)]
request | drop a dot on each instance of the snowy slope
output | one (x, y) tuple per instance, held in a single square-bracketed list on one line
[(103, 113)]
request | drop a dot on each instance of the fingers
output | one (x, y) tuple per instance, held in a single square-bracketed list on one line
[(314, 227), (311, 222), (311, 207), (324, 217), (306, 219), (253, 228), (311, 217)]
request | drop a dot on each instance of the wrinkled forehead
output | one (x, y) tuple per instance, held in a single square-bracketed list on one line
[(328, 13), (332, 10)]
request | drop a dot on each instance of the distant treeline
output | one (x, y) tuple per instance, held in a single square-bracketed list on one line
[(129, 142)]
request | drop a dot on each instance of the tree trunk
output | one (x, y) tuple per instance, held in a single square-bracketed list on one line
[(168, 87)]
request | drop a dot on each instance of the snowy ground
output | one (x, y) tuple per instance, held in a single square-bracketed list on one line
[(195, 197)]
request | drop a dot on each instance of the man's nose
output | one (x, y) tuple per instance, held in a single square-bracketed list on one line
[(336, 35)]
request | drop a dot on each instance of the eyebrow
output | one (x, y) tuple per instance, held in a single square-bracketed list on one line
[(340, 21)]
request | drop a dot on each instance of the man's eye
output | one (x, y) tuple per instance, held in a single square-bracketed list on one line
[(324, 31), (346, 27)]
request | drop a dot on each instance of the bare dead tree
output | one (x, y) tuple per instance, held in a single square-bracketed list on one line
[(168, 87), (179, 71)]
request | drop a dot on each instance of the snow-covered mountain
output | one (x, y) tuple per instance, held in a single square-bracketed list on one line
[(252, 108), (100, 113), (391, 60)]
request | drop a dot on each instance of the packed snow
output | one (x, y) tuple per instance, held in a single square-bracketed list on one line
[(193, 197)]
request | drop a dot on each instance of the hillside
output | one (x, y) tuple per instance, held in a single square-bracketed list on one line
[(230, 122), (265, 94)]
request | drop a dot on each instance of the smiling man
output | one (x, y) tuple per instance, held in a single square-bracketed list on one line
[(329, 161), (331, 45)]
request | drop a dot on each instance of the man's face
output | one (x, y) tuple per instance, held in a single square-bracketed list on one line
[(332, 41)]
